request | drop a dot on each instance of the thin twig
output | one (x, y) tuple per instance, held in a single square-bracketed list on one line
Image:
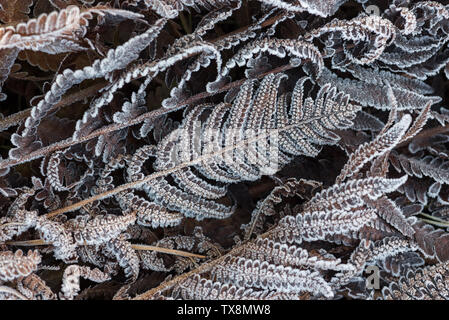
[(40, 242), (433, 217), (165, 250), (436, 223)]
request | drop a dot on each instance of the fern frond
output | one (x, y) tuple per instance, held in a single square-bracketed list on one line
[(265, 276), (369, 94), (323, 8), (295, 257), (277, 47), (429, 166), (250, 116), (36, 288), (116, 59), (428, 283), (349, 195), (55, 233), (376, 148), (125, 255), (369, 251), (71, 279), (200, 288), (54, 33), (170, 8), (392, 214), (149, 213), (361, 29), (101, 229), (266, 206), (15, 265)]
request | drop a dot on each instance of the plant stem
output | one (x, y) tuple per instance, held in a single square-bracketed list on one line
[(40, 242)]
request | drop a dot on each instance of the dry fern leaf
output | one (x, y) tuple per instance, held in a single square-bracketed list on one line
[(54, 33), (265, 276), (293, 256), (15, 265), (254, 137), (429, 166), (376, 148), (275, 267), (266, 206), (117, 58), (148, 213), (297, 49), (372, 94), (349, 194), (102, 229), (34, 288), (14, 10), (368, 251), (170, 8), (361, 29), (295, 131), (71, 279), (20, 222), (379, 77), (7, 58), (239, 276), (391, 213), (125, 255), (341, 209), (429, 283), (433, 243), (198, 288), (55, 233), (274, 264), (322, 8)]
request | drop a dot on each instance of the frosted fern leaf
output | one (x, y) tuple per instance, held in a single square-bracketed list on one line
[(255, 136)]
